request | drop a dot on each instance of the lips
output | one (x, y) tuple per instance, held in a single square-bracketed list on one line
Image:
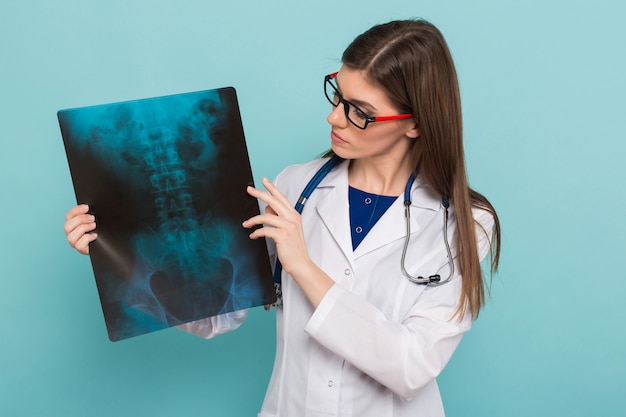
[(336, 138)]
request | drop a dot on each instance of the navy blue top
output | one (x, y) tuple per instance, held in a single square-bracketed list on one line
[(365, 210)]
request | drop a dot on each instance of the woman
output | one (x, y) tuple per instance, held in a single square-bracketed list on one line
[(356, 336)]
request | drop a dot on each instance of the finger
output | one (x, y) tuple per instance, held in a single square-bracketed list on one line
[(75, 235), (266, 220), (82, 245), (274, 199), (275, 233), (76, 221), (272, 203), (272, 195), (77, 210), (275, 192), (260, 194)]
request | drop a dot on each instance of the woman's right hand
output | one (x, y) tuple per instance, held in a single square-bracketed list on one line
[(78, 225)]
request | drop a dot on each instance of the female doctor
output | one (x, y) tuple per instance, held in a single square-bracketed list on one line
[(381, 268)]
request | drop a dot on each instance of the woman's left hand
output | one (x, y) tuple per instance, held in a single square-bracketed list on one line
[(281, 223)]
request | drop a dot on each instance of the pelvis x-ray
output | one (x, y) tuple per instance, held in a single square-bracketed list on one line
[(166, 180)]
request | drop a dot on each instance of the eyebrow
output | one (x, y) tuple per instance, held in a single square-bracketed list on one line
[(359, 103)]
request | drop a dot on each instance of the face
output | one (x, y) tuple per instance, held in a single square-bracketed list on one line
[(380, 140)]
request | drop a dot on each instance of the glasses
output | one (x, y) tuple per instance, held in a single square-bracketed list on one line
[(354, 114)]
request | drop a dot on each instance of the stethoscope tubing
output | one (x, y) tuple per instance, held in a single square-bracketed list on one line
[(432, 280)]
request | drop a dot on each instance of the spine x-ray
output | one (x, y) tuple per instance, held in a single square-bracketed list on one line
[(166, 180)]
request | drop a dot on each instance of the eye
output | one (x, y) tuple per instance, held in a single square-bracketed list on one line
[(358, 113)]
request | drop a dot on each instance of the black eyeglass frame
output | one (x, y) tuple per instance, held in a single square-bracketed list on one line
[(346, 106)]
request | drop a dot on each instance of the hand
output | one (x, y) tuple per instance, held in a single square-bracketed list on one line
[(283, 224), (78, 225)]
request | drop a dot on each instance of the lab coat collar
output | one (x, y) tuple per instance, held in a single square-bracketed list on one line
[(334, 211), (333, 208)]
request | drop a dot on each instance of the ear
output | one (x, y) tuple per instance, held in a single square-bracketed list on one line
[(413, 132)]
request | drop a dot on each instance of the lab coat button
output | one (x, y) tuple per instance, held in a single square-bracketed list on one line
[(347, 272), (330, 384)]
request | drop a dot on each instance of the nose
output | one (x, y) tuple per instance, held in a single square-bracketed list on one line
[(337, 116)]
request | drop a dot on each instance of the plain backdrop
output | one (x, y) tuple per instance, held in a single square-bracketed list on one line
[(543, 85)]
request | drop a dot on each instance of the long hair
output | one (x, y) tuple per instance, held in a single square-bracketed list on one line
[(411, 62)]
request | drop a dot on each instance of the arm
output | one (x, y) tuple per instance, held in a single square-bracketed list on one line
[(214, 326), (403, 356)]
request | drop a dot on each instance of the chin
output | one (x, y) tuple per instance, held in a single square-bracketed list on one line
[(342, 153)]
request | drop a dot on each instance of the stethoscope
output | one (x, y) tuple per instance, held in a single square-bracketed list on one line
[(432, 280)]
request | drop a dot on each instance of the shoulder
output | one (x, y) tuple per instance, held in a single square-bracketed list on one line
[(483, 217), (294, 178), (484, 221), (307, 169)]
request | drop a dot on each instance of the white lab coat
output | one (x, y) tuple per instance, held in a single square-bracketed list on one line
[(376, 342)]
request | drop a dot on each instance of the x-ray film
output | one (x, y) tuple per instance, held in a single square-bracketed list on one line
[(166, 180)]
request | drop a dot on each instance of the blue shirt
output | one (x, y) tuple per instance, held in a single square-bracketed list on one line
[(365, 210)]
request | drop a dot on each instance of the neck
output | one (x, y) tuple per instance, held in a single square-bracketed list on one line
[(386, 177)]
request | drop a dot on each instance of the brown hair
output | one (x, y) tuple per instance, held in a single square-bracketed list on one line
[(411, 61)]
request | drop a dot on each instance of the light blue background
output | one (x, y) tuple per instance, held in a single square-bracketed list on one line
[(543, 85)]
